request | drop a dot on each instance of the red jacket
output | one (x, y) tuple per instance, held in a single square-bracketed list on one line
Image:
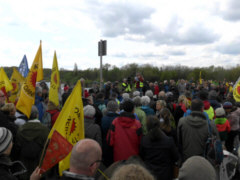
[(54, 115), (156, 90), (125, 136)]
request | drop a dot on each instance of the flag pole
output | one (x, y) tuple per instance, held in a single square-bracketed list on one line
[(43, 153)]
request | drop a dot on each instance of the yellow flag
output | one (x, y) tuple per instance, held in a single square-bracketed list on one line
[(70, 122), (17, 80), (200, 77), (38, 59), (55, 82), (27, 95), (4, 81), (236, 90)]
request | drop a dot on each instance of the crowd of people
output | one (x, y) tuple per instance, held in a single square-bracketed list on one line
[(133, 130)]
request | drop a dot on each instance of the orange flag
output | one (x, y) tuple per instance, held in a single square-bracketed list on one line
[(57, 150)]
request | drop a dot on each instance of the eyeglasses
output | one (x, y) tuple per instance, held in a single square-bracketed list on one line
[(95, 162)]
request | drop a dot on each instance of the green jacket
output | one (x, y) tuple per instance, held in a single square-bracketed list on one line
[(142, 117), (31, 138)]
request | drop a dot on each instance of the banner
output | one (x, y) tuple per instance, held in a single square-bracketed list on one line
[(236, 90), (57, 150), (27, 95), (17, 80), (5, 83), (70, 122), (55, 82), (23, 67)]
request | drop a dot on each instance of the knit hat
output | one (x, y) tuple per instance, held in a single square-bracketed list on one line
[(112, 106), (220, 112), (89, 111), (197, 168), (227, 105), (5, 139)]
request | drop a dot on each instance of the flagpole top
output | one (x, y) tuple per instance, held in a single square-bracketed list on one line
[(40, 41)]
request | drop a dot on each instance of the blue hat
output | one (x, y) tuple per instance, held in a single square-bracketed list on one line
[(227, 105)]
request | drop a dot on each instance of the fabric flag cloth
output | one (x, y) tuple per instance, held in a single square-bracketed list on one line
[(57, 150), (5, 83), (27, 95), (17, 80), (200, 77), (55, 82), (236, 90), (23, 67), (70, 122)]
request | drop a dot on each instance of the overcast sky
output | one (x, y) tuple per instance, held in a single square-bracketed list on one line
[(196, 33)]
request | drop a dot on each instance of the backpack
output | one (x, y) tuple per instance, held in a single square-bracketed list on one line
[(213, 151)]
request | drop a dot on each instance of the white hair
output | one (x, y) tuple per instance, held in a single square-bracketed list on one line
[(145, 100)]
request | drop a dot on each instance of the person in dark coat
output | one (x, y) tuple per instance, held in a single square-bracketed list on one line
[(31, 138), (112, 109), (92, 130), (6, 121), (6, 165), (158, 151)]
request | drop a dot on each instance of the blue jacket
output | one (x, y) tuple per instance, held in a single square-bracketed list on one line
[(39, 105), (148, 110)]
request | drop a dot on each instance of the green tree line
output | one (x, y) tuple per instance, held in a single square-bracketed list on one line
[(150, 73)]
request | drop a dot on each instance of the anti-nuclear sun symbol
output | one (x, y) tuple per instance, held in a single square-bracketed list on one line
[(73, 126)]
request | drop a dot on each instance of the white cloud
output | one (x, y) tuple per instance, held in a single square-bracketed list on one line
[(159, 32)]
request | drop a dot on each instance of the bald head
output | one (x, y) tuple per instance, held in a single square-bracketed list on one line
[(84, 156)]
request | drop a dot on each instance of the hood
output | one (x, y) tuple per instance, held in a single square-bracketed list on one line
[(206, 105), (220, 120), (196, 119), (126, 119), (197, 168), (30, 131), (88, 120)]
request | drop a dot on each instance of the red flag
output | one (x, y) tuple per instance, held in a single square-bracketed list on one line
[(57, 150)]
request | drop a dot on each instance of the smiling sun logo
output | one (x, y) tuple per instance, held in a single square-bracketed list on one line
[(55, 78), (73, 126), (32, 80)]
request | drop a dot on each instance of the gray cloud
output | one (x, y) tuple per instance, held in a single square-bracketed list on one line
[(232, 11), (144, 55), (176, 53), (133, 23), (230, 48)]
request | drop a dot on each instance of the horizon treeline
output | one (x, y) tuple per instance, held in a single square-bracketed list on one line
[(150, 73)]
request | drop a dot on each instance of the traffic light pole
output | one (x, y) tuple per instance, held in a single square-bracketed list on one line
[(102, 51), (101, 79)]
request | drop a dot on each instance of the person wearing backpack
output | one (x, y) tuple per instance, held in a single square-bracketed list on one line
[(31, 138), (222, 124), (193, 131)]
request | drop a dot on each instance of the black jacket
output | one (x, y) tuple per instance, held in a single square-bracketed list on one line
[(7, 168), (159, 156)]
